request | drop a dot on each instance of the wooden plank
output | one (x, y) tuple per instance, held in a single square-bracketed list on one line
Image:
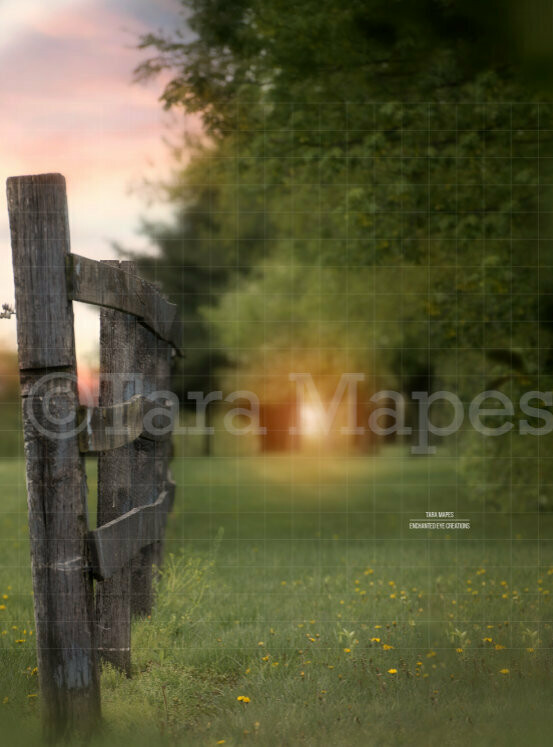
[(109, 285), (147, 487), (115, 483), (116, 543), (106, 428), (164, 449), (56, 484)]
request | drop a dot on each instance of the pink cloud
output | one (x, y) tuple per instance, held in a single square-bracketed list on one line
[(68, 105)]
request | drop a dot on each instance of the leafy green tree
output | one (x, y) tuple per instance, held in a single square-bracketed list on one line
[(364, 145)]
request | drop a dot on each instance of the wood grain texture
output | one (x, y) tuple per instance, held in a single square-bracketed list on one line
[(115, 483), (153, 361), (56, 483), (109, 285), (106, 428), (114, 544)]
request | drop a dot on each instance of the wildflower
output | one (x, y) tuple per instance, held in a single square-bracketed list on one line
[(260, 643), (530, 650), (6, 700), (347, 650), (375, 640), (386, 647), (243, 699), (392, 671), (504, 671), (2, 606), (499, 647), (221, 741), (459, 650), (265, 658), (430, 654), (32, 695), (487, 640)]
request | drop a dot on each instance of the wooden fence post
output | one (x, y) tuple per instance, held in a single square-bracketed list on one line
[(153, 357), (115, 480), (56, 482)]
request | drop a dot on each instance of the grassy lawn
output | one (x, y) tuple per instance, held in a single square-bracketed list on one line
[(296, 582)]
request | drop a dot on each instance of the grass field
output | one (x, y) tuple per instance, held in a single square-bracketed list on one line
[(296, 583)]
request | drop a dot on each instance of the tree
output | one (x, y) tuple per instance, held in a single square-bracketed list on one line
[(323, 161)]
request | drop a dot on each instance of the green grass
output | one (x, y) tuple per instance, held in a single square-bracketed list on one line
[(286, 580)]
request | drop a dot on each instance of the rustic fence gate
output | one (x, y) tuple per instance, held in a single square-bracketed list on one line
[(129, 430)]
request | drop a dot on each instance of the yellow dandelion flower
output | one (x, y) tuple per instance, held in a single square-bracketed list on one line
[(347, 650), (265, 658), (504, 671), (487, 640), (392, 671), (386, 647), (499, 647), (2, 606), (430, 654), (375, 640), (459, 650), (243, 699)]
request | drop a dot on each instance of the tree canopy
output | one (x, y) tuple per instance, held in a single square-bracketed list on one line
[(373, 187)]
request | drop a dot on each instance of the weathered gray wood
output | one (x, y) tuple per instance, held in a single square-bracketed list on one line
[(118, 288), (164, 449), (56, 483), (106, 428), (114, 544), (148, 485), (115, 483)]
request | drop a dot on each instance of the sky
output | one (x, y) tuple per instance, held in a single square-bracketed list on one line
[(68, 105)]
